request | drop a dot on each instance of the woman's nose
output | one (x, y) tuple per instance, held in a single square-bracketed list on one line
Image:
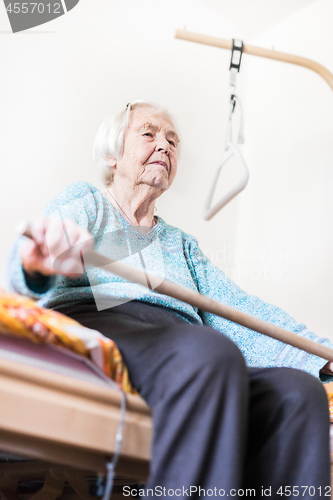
[(162, 145)]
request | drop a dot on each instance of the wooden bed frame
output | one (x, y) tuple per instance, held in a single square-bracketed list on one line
[(65, 423), (71, 422)]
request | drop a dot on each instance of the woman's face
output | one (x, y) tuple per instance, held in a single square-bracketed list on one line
[(150, 152)]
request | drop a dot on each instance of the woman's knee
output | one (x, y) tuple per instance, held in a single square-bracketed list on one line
[(200, 363), (301, 389), (188, 356), (205, 347)]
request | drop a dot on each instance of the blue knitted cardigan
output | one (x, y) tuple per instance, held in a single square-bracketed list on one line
[(166, 252)]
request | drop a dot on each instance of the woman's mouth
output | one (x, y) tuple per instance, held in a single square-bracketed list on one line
[(160, 163)]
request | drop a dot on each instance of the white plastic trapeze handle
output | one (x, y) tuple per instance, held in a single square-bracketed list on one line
[(230, 150)]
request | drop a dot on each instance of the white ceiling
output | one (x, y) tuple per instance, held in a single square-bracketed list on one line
[(251, 17)]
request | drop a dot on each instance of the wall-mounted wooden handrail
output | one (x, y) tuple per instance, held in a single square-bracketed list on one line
[(257, 51)]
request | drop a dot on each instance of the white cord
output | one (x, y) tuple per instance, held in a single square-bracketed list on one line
[(111, 466)]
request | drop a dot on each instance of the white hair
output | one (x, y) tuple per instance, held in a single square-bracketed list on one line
[(109, 141)]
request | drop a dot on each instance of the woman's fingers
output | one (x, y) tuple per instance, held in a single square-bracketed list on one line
[(38, 230), (29, 255), (56, 247), (66, 244), (72, 266), (54, 235)]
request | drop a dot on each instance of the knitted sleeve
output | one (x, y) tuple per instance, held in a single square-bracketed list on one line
[(258, 349)]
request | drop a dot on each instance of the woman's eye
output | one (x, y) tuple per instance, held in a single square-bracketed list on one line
[(149, 134), (172, 143)]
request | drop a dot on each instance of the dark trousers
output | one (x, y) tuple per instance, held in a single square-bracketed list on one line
[(218, 425)]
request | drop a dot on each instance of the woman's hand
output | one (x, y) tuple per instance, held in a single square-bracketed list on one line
[(327, 369), (55, 248)]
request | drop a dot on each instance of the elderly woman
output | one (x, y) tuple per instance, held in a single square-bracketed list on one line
[(223, 419)]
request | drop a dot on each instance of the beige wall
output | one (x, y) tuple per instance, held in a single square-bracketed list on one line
[(286, 213), (57, 86)]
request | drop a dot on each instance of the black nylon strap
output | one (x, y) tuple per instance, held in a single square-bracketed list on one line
[(236, 54)]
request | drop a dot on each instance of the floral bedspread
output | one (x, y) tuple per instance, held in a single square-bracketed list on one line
[(21, 316)]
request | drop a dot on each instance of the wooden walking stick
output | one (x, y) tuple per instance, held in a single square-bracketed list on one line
[(202, 302)]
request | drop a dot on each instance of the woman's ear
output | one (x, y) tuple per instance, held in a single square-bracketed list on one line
[(112, 162)]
